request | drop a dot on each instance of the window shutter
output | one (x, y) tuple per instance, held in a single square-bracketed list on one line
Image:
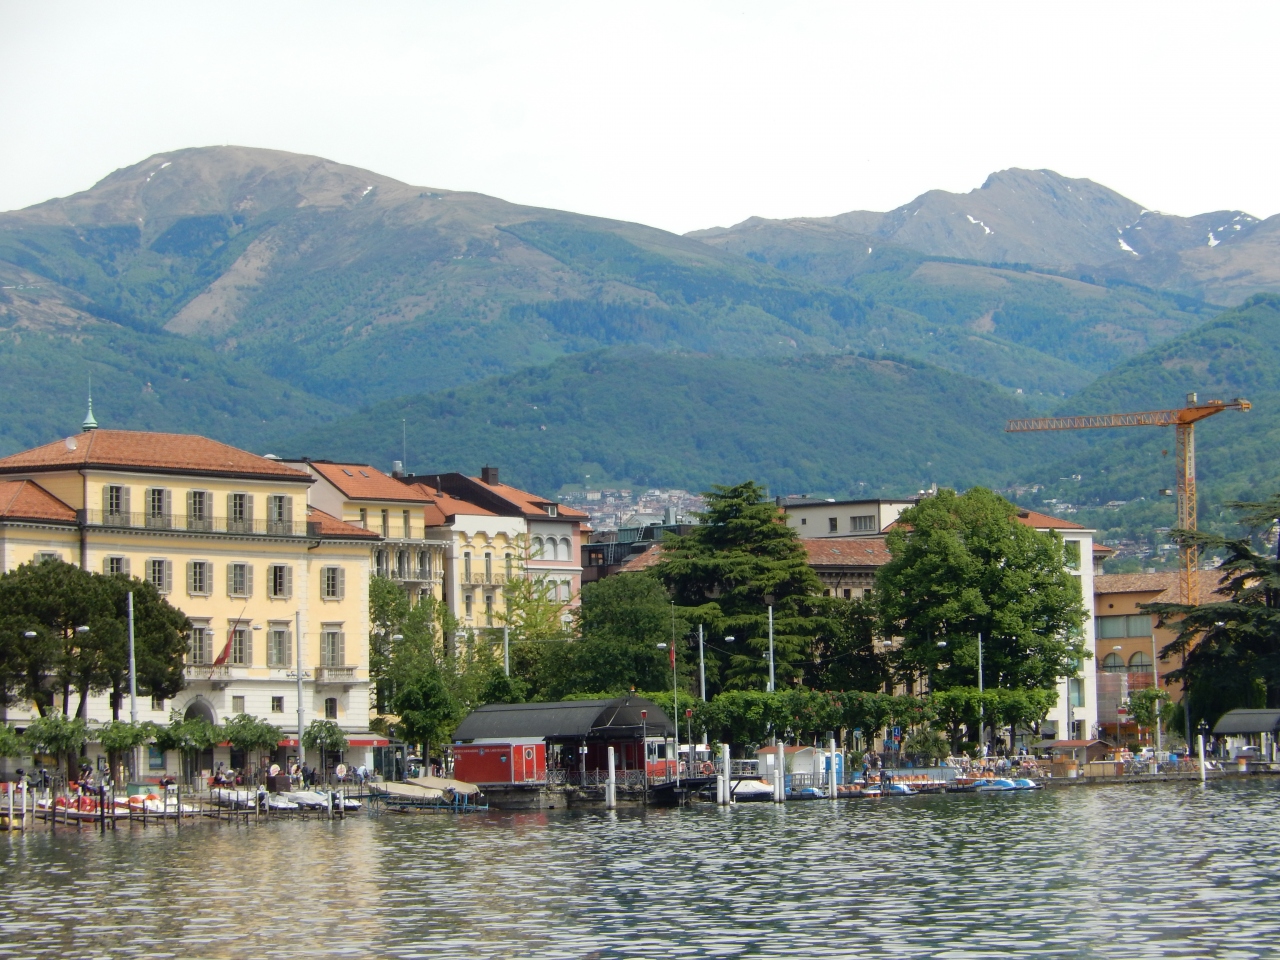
[(168, 503), (287, 510), (231, 499), (125, 561), (106, 564), (247, 646), (248, 579), (191, 494), (231, 579), (106, 501), (248, 508), (342, 583), (288, 648), (342, 650), (124, 501), (191, 576), (288, 582), (168, 576)]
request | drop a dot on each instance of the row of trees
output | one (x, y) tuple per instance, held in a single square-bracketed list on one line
[(962, 566), (64, 637)]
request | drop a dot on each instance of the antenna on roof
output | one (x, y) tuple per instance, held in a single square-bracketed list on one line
[(404, 440), (89, 422)]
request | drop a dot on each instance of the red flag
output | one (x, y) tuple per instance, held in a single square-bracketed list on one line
[(226, 651), (673, 656)]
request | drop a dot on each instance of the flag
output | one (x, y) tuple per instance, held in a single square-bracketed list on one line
[(673, 656), (226, 651)]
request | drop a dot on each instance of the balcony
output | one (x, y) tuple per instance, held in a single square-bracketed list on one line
[(344, 675), (179, 523), (217, 674), (480, 577)]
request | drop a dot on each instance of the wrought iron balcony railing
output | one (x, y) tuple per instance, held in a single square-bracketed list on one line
[(180, 523)]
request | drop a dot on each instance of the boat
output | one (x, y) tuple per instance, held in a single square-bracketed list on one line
[(751, 791), (1025, 783), (807, 793), (995, 785)]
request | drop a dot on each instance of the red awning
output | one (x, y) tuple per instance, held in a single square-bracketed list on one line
[(368, 740), (289, 743)]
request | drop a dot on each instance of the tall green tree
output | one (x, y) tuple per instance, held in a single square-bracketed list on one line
[(1229, 645), (159, 634), (725, 573), (962, 566), (845, 653)]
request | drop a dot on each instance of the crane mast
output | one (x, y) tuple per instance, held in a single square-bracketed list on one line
[(1184, 420)]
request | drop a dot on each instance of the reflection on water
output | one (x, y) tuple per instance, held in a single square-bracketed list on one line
[(1167, 870)]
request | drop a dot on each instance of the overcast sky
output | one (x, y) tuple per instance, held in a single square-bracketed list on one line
[(680, 115)]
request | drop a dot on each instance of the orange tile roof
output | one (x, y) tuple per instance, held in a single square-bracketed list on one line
[(438, 507), (1100, 548), (532, 505), (149, 452), (24, 500), (1043, 521), (846, 551), (1164, 584), (359, 481), (643, 561), (327, 525)]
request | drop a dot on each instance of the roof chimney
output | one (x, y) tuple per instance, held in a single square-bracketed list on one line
[(489, 475), (397, 469)]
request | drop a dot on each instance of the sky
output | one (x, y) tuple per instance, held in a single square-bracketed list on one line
[(678, 115)]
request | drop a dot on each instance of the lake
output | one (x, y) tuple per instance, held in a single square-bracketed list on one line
[(1160, 870)]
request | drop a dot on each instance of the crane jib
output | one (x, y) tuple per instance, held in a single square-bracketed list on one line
[(1154, 418)]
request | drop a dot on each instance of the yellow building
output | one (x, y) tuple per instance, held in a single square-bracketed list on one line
[(228, 537)]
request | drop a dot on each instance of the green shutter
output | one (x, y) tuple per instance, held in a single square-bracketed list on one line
[(342, 583)]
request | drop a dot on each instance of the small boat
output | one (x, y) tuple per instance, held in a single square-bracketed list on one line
[(995, 785), (231, 797), (901, 790), (1024, 783), (807, 793), (750, 791)]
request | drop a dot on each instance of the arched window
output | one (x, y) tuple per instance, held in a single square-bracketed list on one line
[(553, 548), (1140, 663), (331, 708), (1113, 663), (537, 548), (567, 548)]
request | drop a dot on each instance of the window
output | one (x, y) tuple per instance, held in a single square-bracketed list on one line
[(567, 548), (155, 758), (277, 704), (160, 575), (488, 609), (199, 578), (118, 565), (157, 703), (333, 583), (279, 581), (380, 562), (826, 593), (1113, 663), (863, 524), (386, 523), (333, 651), (1075, 689), (552, 510), (241, 646), (1071, 554), (200, 646), (279, 645), (364, 517), (466, 566), (402, 564), (488, 568), (424, 565), (1140, 662), (469, 599), (199, 510), (331, 708), (803, 521), (511, 561), (1114, 628), (45, 555), (537, 548), (159, 508), (279, 514), (831, 525), (408, 526), (239, 513), (239, 580), (237, 704), (115, 505)]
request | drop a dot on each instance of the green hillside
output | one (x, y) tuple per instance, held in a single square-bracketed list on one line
[(835, 425)]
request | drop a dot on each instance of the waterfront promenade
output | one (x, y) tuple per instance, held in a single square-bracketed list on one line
[(1160, 870)]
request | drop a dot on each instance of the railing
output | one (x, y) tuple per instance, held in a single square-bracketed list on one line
[(207, 671), (181, 523), (335, 674), (479, 577)]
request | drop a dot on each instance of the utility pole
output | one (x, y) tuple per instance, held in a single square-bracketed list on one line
[(506, 650), (702, 665), (297, 639), (982, 718), (771, 679)]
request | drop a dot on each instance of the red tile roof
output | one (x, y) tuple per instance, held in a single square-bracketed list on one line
[(1098, 548), (846, 551), (1043, 521), (1165, 584), (149, 452), (530, 505), (438, 507), (359, 481), (24, 500), (643, 561), (326, 525)]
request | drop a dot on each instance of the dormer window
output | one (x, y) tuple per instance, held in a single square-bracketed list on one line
[(551, 509)]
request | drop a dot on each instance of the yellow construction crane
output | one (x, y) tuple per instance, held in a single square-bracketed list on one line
[(1185, 421)]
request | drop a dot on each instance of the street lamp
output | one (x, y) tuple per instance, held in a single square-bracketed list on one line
[(644, 750), (675, 706)]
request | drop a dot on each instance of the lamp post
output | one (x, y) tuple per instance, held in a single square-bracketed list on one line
[(982, 711), (702, 665), (644, 750), (1202, 729), (84, 706), (675, 702), (771, 680)]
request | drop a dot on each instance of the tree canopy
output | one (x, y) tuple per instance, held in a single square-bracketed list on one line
[(962, 565)]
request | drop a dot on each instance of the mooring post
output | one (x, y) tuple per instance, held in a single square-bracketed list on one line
[(1200, 751), (780, 783), (726, 775), (611, 788), (832, 784)]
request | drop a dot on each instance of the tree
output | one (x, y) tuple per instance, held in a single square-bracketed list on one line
[(252, 735), (956, 708), (57, 736), (1144, 706), (928, 743), (121, 736), (189, 737), (426, 706), (844, 653), (739, 560), (1230, 645), (536, 628), (325, 736), (159, 633), (962, 566), (11, 744)]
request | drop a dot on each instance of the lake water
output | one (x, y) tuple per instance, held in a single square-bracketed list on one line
[(1165, 870)]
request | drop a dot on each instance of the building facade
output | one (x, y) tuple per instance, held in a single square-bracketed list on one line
[(228, 537), (841, 518)]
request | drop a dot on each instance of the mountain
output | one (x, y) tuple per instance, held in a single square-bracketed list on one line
[(1036, 218), (841, 425)]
